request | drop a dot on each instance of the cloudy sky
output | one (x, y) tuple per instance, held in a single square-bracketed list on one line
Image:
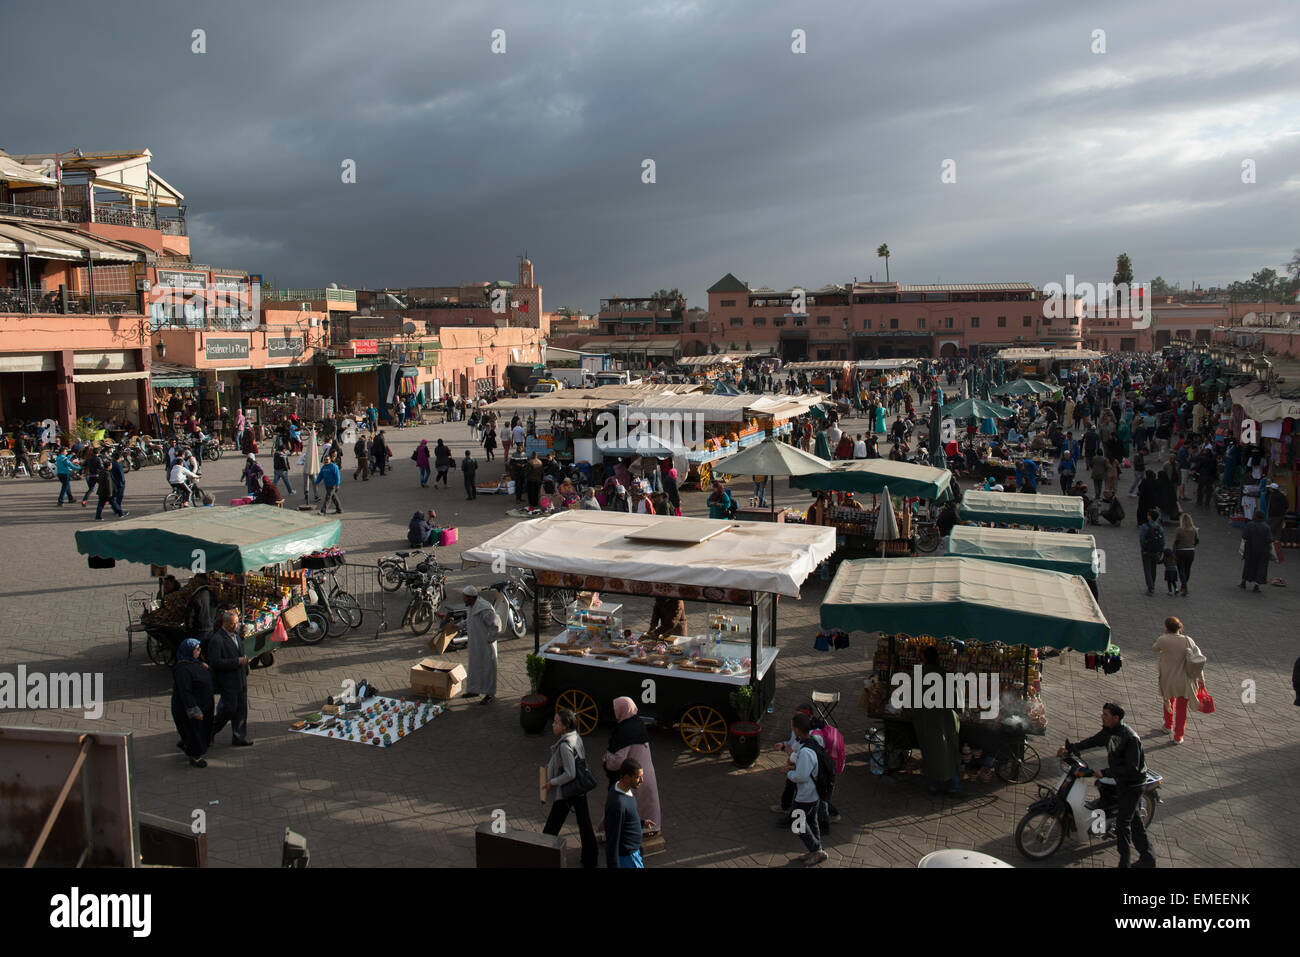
[(785, 168)]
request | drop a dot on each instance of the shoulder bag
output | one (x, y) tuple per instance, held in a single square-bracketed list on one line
[(1195, 661)]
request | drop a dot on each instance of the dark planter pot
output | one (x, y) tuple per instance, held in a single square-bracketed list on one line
[(744, 743), (533, 713)]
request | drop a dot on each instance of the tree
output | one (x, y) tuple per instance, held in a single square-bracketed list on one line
[(1161, 288), (882, 252), (1123, 269)]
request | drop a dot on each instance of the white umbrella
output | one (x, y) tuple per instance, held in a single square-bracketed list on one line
[(773, 458), (886, 524)]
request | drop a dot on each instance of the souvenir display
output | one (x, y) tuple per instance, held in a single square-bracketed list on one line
[(377, 721)]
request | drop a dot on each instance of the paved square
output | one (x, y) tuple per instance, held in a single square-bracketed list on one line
[(1229, 791)]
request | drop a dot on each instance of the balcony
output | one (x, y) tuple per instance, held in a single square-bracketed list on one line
[(52, 302), (311, 295), (105, 215)]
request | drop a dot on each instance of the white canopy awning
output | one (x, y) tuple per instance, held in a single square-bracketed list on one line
[(755, 556), (80, 377)]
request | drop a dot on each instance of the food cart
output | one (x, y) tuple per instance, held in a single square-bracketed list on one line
[(1053, 551), (983, 618), (873, 477), (246, 552), (736, 569), (1013, 508)]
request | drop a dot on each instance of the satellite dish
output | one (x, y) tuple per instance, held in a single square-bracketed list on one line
[(408, 329), (365, 311), (332, 285), (1249, 319)]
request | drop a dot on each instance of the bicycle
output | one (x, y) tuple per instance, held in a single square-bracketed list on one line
[(179, 499), (428, 590), (394, 573), (342, 610)]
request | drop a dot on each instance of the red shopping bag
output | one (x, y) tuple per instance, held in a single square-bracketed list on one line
[(280, 634), (1277, 552), (1204, 701)]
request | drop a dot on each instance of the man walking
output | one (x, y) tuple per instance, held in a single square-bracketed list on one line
[(1126, 765), (362, 451), (280, 462), (468, 468), (803, 774), (1151, 538), (622, 819), (119, 483), (106, 493), (484, 624), (329, 475), (224, 652)]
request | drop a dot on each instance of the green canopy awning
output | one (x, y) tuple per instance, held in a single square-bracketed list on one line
[(966, 598), (1016, 508), (241, 539), (1025, 387), (1053, 551), (872, 475), (965, 408), (354, 365)]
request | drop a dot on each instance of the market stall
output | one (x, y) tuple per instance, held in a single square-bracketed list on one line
[(984, 619), (247, 553), (1005, 508), (1052, 551), (857, 522), (736, 569)]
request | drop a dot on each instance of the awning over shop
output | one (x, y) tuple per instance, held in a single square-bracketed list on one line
[(966, 598), (887, 364), (871, 476), (821, 366), (756, 556), (80, 377), (51, 242), (1015, 508), (166, 375), (1263, 407), (240, 539), (345, 366), (1053, 551), (409, 372)]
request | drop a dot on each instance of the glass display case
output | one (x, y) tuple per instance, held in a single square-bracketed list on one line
[(600, 625)]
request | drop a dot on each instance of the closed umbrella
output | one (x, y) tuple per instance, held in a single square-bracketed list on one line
[(886, 524), (311, 465)]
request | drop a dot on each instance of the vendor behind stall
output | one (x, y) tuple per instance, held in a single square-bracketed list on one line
[(201, 610), (668, 618)]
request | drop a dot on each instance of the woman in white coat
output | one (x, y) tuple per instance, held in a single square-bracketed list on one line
[(1181, 672)]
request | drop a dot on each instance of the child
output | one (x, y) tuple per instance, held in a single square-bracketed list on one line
[(1171, 571)]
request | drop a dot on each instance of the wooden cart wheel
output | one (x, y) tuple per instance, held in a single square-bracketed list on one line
[(1017, 768), (703, 729), (583, 707)]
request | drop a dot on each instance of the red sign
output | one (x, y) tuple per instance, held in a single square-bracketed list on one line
[(365, 347)]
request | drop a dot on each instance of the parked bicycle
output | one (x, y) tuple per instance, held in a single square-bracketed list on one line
[(341, 610), (395, 572), (428, 590), (521, 587)]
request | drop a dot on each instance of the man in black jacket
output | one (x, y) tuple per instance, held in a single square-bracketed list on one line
[(1126, 765), (622, 819), (224, 651), (200, 610)]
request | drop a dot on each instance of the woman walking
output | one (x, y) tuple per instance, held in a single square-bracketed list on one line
[(1186, 539), (630, 740), (442, 461), (379, 452), (192, 702), (252, 475), (562, 787), (1181, 672), (421, 458), (490, 442), (1256, 548)]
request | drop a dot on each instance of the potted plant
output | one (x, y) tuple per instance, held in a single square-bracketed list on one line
[(745, 730), (532, 706)]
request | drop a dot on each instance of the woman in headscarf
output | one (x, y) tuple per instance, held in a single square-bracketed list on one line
[(630, 740), (1166, 495), (938, 733), (844, 450), (192, 703), (669, 479), (268, 494), (252, 475), (421, 458), (249, 444), (443, 462), (379, 452), (419, 532)]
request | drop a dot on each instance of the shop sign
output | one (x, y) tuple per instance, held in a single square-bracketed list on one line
[(280, 348), (218, 349), (182, 280), (365, 347)]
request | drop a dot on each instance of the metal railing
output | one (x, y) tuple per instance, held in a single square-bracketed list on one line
[(310, 295), (14, 301), (106, 215)]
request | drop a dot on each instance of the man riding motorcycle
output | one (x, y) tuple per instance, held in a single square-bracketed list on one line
[(1126, 765)]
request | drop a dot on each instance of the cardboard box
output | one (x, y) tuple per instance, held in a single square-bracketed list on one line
[(440, 640), (438, 678)]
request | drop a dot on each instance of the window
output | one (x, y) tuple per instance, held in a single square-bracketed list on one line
[(823, 353), (1047, 320), (866, 324), (778, 323), (893, 323), (920, 322), (974, 322), (612, 329), (823, 320), (1029, 321), (759, 321), (801, 323), (727, 302), (737, 320), (1002, 322), (947, 322), (692, 327)]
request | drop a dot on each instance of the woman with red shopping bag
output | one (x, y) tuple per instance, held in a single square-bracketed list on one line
[(1181, 672)]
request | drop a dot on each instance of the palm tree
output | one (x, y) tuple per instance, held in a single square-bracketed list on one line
[(882, 252)]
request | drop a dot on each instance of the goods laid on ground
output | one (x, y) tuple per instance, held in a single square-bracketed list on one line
[(377, 721)]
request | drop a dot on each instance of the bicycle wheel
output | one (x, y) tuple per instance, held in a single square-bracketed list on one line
[(338, 622), (421, 619), (341, 603), (172, 501), (927, 538), (390, 574), (213, 452), (316, 627), (561, 599)]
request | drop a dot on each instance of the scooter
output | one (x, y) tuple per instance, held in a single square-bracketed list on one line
[(513, 592), (1063, 810)]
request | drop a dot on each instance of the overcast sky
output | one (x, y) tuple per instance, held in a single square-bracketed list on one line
[(783, 168)]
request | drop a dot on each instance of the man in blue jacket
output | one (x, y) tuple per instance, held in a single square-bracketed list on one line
[(622, 819), (329, 475)]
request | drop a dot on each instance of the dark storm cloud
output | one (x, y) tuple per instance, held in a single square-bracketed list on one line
[(782, 168)]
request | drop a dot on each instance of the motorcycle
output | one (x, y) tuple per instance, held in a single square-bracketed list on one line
[(1063, 811), (211, 448), (513, 593)]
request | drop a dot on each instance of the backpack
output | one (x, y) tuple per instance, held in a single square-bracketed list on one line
[(1153, 538), (824, 779)]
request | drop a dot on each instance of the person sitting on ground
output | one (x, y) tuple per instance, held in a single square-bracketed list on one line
[(419, 532), (268, 494)]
